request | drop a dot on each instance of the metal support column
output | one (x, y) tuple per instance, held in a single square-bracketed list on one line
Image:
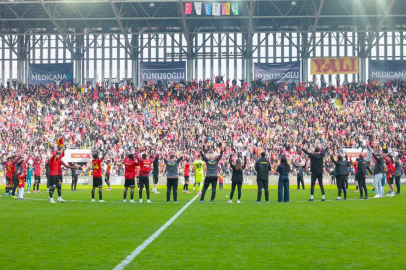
[(134, 59), (362, 57), (78, 58), (305, 58), (21, 58)]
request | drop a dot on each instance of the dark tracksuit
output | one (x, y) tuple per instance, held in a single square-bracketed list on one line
[(155, 171), (74, 179), (172, 175), (341, 172), (283, 183), (316, 167), (398, 173), (262, 167), (47, 170), (300, 175), (211, 175), (361, 175), (237, 178)]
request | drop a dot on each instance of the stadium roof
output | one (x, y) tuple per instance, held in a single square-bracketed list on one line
[(152, 16)]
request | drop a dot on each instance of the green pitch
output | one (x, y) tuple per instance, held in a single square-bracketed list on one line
[(80, 234)]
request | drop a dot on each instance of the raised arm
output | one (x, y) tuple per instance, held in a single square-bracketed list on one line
[(179, 160), (66, 166), (304, 150), (332, 159), (104, 154), (230, 160), (62, 155), (372, 152), (203, 156), (137, 157), (369, 169), (387, 159), (245, 163), (221, 155), (324, 151), (27, 159)]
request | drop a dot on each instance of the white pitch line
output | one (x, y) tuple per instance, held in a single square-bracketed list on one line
[(141, 247)]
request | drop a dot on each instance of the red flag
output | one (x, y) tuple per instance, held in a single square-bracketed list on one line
[(188, 8), (60, 142)]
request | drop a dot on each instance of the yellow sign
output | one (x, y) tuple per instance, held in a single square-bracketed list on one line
[(326, 66)]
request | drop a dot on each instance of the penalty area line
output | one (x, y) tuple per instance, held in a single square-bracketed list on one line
[(141, 247)]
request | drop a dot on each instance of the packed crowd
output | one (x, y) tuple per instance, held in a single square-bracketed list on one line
[(183, 117)]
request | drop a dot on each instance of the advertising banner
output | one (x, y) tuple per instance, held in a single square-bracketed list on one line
[(164, 71), (386, 70), (50, 73), (281, 72), (77, 155), (327, 66)]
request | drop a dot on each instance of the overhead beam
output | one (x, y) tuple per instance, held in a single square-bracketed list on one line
[(345, 16), (122, 29), (316, 21), (385, 16), (184, 24), (58, 28)]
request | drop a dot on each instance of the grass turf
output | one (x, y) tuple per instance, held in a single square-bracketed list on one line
[(349, 234)]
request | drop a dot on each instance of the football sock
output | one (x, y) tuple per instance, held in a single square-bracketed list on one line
[(92, 193), (100, 194)]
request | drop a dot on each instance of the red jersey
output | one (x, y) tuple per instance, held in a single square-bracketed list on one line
[(54, 164), (37, 167), (186, 173), (60, 162), (129, 172), (97, 170), (21, 180), (9, 169), (137, 171), (355, 166), (145, 165), (24, 164), (221, 179), (108, 171)]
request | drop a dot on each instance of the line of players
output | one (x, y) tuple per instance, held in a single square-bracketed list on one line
[(206, 170), (148, 163), (18, 173)]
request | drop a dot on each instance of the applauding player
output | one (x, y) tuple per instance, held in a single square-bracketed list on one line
[(129, 175), (97, 175)]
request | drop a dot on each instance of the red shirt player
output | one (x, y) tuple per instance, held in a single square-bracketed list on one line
[(97, 175), (186, 174), (145, 168), (37, 173), (129, 175), (10, 170), (54, 164)]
